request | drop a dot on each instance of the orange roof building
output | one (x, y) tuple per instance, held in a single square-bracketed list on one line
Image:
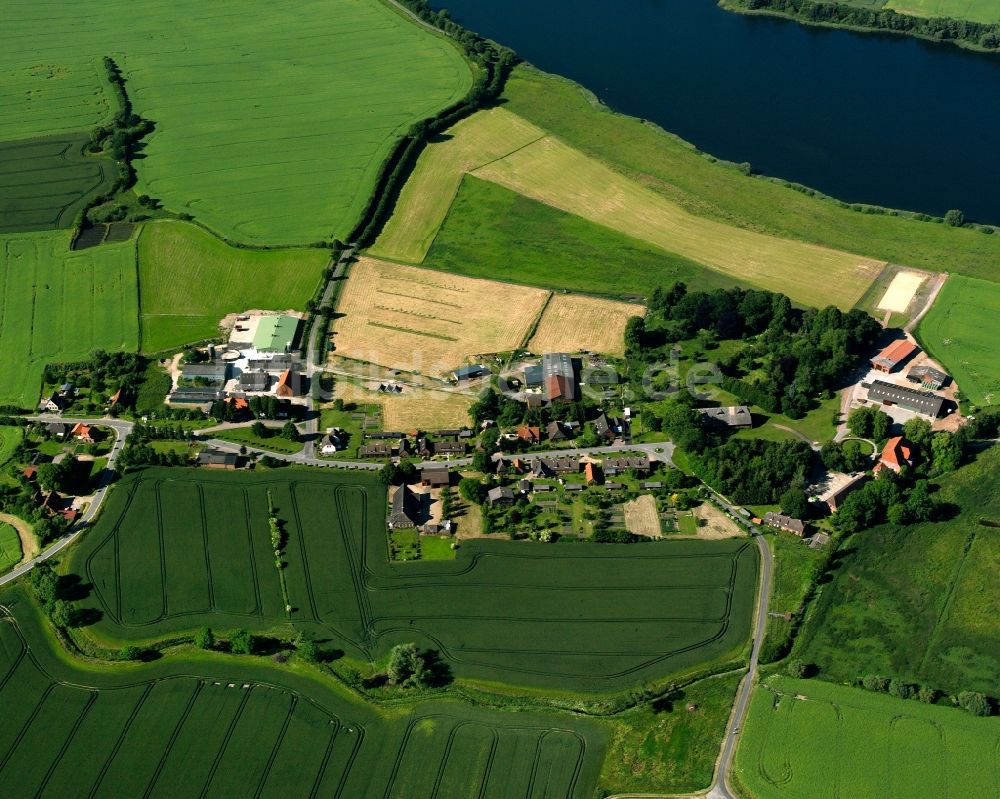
[(530, 434), (287, 384), (82, 432), (238, 403), (896, 454), (893, 355)]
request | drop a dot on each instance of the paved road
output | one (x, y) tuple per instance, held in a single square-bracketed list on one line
[(121, 429), (720, 785)]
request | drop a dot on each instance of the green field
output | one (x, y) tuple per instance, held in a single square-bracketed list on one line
[(58, 305), (190, 280), (673, 168), (216, 725), (10, 547), (272, 121), (243, 435), (959, 331), (494, 233), (45, 182), (815, 740), (177, 549), (10, 437), (793, 564), (920, 602), (973, 10)]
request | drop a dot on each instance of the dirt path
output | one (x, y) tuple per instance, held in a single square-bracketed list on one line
[(29, 544)]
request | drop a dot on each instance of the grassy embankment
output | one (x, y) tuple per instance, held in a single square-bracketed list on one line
[(815, 740), (334, 84), (918, 603)]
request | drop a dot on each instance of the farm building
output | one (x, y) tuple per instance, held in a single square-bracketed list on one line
[(289, 384), (195, 395), (559, 377), (434, 476), (893, 355), (470, 372), (835, 498), (921, 402), (786, 523), (533, 376), (277, 363), (735, 417), (216, 459), (276, 333), (405, 509), (927, 377), (896, 454), (257, 380), (216, 372)]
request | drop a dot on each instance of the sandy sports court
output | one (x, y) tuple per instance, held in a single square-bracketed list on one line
[(420, 320), (901, 291), (642, 517), (574, 322)]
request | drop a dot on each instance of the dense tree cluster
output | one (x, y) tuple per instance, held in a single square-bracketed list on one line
[(753, 471), (791, 356), (986, 35), (105, 374), (138, 452)]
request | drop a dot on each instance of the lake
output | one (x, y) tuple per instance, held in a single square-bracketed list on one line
[(880, 119)]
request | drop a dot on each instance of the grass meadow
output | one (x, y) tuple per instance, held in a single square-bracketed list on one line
[(495, 233), (919, 602), (10, 548), (816, 740), (175, 549), (45, 182), (959, 331), (973, 10), (200, 724), (58, 305), (704, 187), (190, 280), (10, 437), (272, 121)]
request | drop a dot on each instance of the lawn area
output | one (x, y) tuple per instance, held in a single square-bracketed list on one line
[(959, 331), (273, 442), (45, 182), (58, 305), (10, 437), (202, 723), (973, 10), (867, 744), (436, 547), (190, 280), (10, 548), (793, 565), (272, 121), (666, 748), (919, 602), (702, 186), (496, 233), (154, 570)]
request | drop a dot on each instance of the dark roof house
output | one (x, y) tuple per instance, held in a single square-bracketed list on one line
[(735, 417), (405, 509), (927, 377), (471, 372), (216, 459), (255, 380), (786, 523)]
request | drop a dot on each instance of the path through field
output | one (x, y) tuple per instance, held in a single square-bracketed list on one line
[(29, 544)]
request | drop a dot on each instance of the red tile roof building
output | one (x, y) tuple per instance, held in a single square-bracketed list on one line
[(896, 454), (893, 355)]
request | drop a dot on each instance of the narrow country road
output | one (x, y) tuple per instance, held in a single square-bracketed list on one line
[(121, 429)]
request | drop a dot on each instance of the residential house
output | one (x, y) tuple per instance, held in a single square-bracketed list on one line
[(116, 398), (590, 472), (423, 448), (238, 404), (380, 450), (216, 459), (67, 391), (332, 443), (524, 485), (501, 495), (435, 475), (558, 377), (52, 404), (893, 355), (920, 402), (529, 434), (57, 429), (786, 523), (449, 448), (609, 427), (85, 433), (735, 417), (552, 467), (554, 432), (639, 464), (927, 377), (896, 454), (405, 511)]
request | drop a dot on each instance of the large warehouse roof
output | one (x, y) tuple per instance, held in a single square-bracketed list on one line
[(275, 333)]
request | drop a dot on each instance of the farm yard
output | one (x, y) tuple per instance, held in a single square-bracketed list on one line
[(220, 726), (45, 182), (292, 161), (423, 321), (959, 332), (58, 305), (190, 280), (516, 613), (573, 322), (817, 740)]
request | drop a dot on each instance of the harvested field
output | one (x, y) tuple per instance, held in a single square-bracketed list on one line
[(716, 523), (423, 321), (414, 409), (573, 323), (190, 280), (44, 182), (430, 190), (901, 291), (642, 517), (241, 727), (272, 120), (502, 611), (873, 745), (555, 173), (58, 305)]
